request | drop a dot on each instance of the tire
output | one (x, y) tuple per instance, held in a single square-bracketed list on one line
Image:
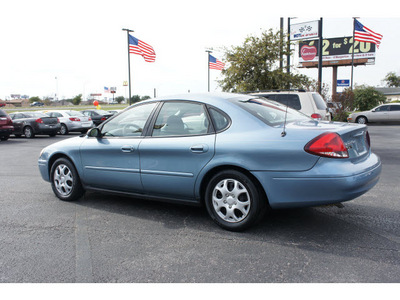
[(65, 180), (233, 201), (5, 137), (64, 129), (28, 132), (362, 120)]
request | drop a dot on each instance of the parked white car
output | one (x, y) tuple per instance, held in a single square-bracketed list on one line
[(71, 121), (389, 112), (309, 103)]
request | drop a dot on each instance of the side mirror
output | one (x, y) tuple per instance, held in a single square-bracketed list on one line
[(94, 132)]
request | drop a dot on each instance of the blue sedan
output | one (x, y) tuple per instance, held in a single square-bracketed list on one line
[(238, 155)]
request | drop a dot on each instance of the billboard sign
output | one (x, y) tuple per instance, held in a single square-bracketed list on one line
[(336, 50), (302, 31)]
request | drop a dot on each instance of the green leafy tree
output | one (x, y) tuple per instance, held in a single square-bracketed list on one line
[(119, 99), (255, 65), (366, 97), (77, 99), (392, 80)]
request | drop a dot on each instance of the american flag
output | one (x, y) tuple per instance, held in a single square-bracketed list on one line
[(215, 63), (364, 34), (106, 89), (141, 48)]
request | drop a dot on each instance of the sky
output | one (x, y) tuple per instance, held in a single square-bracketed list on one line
[(78, 47)]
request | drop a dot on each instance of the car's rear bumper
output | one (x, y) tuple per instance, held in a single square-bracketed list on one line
[(326, 183)]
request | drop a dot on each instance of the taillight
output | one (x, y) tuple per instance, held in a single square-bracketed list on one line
[(74, 119), (40, 121), (90, 119), (103, 118), (316, 116), (328, 144), (58, 120)]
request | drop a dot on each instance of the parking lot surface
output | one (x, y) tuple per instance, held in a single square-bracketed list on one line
[(108, 238)]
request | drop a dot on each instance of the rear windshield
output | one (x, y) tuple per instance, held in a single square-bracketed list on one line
[(291, 100), (74, 113), (35, 115), (270, 112), (2, 113), (319, 101)]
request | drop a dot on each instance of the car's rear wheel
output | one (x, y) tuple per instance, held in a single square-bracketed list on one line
[(233, 201), (361, 120), (65, 180), (28, 132), (63, 129)]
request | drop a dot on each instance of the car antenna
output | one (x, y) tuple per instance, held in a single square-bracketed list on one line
[(283, 134)]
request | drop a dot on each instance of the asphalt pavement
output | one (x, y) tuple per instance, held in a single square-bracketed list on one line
[(108, 238)]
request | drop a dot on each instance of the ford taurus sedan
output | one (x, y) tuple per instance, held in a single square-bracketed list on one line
[(238, 155)]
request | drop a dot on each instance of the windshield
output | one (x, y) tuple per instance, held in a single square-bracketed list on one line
[(270, 112)]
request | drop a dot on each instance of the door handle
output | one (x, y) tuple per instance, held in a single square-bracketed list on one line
[(127, 148), (199, 148)]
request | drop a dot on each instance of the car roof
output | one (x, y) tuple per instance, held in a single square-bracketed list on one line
[(208, 98)]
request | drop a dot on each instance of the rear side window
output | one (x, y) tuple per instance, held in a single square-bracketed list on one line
[(220, 120), (395, 107), (290, 100), (319, 101)]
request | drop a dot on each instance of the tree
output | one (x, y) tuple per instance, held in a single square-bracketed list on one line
[(392, 80), (366, 97), (255, 65), (119, 99), (77, 99)]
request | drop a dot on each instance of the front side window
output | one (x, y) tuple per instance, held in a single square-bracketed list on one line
[(181, 119), (383, 108), (130, 123)]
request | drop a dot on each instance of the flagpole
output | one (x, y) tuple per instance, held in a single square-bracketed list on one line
[(129, 64), (208, 67), (352, 53)]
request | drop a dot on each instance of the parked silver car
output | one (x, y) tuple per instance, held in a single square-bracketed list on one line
[(71, 121), (383, 113)]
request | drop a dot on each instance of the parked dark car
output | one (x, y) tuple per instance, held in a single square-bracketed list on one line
[(37, 104), (6, 125), (98, 115), (32, 123)]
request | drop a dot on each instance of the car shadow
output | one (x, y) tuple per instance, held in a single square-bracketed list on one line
[(307, 229)]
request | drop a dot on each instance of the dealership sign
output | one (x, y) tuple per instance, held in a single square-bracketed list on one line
[(302, 31), (336, 51)]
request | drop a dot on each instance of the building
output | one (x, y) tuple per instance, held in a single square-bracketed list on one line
[(391, 93)]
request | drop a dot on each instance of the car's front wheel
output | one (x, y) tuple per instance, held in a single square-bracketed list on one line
[(65, 180), (362, 120), (233, 201)]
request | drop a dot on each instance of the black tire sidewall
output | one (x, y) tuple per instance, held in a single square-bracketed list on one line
[(77, 190), (256, 197)]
